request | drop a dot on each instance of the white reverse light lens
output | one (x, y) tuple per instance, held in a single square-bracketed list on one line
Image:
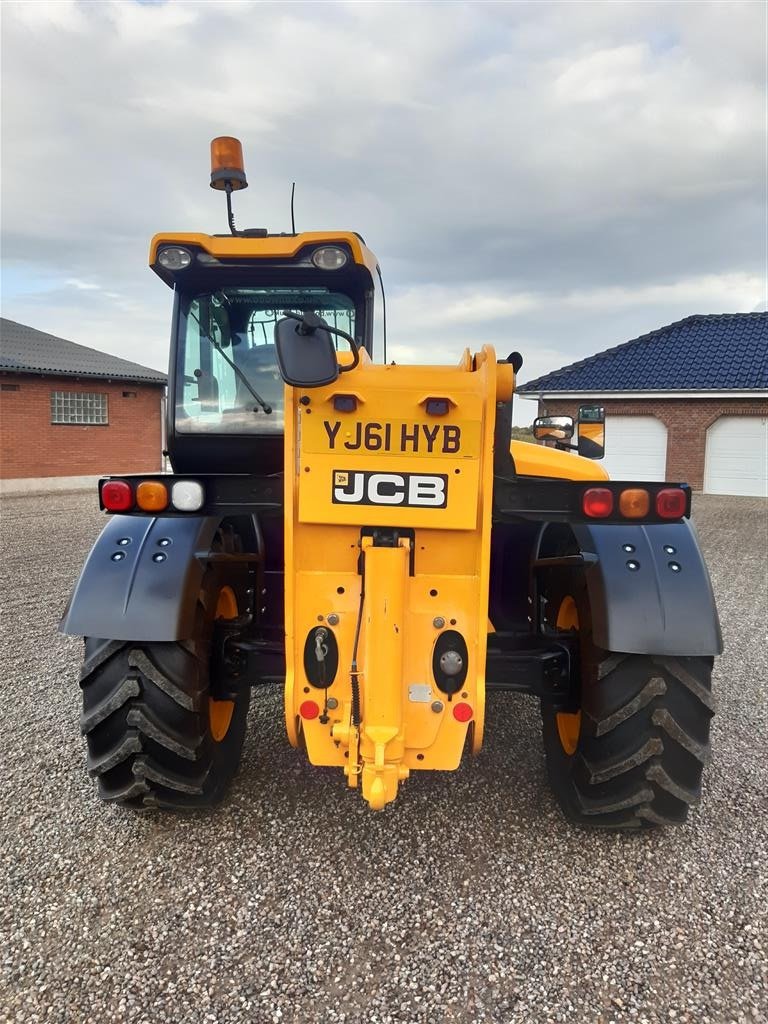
[(330, 257), (174, 258), (187, 495)]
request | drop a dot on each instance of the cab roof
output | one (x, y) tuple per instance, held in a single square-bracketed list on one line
[(283, 247)]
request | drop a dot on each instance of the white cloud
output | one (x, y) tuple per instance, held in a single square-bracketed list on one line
[(47, 15), (604, 74), (436, 309), (550, 177), (83, 286), (707, 293)]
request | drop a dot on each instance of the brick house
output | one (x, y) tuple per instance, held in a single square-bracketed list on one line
[(69, 413), (687, 402)]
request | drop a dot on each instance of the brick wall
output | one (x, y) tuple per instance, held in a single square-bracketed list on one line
[(686, 421), (32, 446)]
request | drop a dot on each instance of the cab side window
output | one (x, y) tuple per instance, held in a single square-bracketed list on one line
[(378, 312)]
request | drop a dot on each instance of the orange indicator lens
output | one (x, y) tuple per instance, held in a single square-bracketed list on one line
[(226, 152), (151, 496), (634, 503)]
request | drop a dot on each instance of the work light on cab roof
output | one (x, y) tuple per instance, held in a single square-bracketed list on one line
[(367, 535)]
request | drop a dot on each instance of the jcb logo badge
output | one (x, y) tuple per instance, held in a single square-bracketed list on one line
[(406, 490)]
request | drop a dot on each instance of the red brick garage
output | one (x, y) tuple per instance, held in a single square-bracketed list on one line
[(688, 402), (69, 413)]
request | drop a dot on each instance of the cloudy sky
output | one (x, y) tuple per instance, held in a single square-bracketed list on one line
[(549, 177)]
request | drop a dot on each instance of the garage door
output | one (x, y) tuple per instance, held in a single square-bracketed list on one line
[(635, 448), (737, 456)]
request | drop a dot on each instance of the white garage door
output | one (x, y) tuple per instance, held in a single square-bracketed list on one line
[(635, 448), (737, 456)]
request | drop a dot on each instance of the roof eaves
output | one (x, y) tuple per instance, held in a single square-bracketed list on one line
[(643, 393), (159, 381)]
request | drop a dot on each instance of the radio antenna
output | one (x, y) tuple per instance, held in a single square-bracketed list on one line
[(293, 219)]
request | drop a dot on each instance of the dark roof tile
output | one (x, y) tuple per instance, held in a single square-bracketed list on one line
[(715, 352), (26, 350)]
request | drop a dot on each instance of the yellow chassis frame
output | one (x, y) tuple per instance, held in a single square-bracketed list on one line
[(434, 579)]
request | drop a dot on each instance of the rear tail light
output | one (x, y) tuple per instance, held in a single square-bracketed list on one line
[(634, 503), (152, 496), (187, 495), (597, 502), (671, 503), (639, 503), (116, 496)]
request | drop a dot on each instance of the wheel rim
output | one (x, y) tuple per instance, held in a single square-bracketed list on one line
[(568, 724), (220, 712)]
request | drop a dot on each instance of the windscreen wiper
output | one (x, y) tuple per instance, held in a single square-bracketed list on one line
[(239, 373)]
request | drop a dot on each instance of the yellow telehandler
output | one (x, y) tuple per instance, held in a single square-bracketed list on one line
[(366, 535)]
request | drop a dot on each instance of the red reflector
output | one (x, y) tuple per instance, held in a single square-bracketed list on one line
[(597, 502), (116, 496), (462, 712), (308, 709), (671, 503)]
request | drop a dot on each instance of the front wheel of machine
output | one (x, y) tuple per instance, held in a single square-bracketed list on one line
[(154, 736), (631, 755)]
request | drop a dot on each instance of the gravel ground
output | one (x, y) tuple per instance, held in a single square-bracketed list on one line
[(468, 900)]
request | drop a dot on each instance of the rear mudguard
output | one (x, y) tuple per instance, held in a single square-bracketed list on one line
[(142, 579), (649, 589)]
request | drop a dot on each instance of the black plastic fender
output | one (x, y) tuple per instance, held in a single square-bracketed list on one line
[(142, 579), (649, 590)]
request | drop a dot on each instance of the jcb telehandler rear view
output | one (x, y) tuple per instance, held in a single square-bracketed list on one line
[(365, 534)]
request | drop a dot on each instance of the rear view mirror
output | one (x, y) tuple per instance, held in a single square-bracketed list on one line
[(306, 354), (553, 428), (591, 431)]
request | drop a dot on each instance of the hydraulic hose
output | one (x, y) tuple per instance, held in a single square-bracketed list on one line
[(353, 672)]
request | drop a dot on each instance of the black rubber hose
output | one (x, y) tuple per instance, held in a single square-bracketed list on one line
[(230, 215), (353, 674)]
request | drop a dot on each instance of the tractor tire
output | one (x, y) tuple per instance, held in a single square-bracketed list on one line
[(630, 755), (154, 737)]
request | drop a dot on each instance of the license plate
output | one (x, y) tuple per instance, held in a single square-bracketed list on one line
[(394, 437)]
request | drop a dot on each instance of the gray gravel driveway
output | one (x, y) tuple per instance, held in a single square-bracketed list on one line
[(468, 900)]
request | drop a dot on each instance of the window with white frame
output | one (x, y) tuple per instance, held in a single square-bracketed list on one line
[(78, 407)]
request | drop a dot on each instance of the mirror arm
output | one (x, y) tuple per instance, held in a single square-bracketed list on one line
[(353, 346), (307, 327)]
